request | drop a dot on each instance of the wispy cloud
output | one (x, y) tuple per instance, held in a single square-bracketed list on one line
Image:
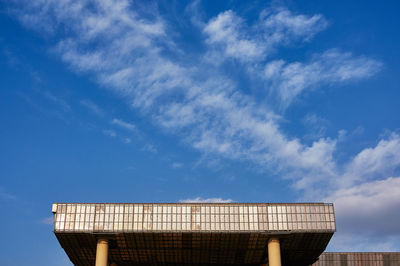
[(289, 80), (230, 34), (194, 99), (176, 165), (281, 26), (316, 126), (4, 195), (195, 13), (206, 108), (58, 109), (114, 134), (206, 200), (379, 161), (94, 108), (123, 124), (150, 148), (127, 140), (110, 133), (47, 221), (225, 30), (57, 100)]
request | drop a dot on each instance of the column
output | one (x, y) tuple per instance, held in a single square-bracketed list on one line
[(102, 252), (274, 252)]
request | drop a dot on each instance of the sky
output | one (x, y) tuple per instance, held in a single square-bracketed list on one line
[(198, 101)]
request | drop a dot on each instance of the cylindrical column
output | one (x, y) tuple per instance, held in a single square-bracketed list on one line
[(102, 252), (274, 252)]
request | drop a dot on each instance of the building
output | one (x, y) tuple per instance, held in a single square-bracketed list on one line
[(199, 234), (359, 259)]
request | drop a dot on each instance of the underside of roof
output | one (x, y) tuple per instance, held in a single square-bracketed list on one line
[(194, 248)]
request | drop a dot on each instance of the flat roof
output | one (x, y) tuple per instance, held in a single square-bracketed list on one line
[(194, 233)]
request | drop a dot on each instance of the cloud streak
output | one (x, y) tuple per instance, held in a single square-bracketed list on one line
[(94, 108), (5, 196), (206, 200), (124, 124)]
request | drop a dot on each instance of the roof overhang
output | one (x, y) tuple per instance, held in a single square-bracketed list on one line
[(194, 234)]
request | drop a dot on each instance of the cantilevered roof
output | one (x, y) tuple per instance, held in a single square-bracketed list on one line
[(194, 234)]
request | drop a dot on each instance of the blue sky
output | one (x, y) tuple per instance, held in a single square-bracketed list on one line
[(268, 101)]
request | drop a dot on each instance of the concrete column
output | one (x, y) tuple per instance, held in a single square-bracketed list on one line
[(102, 252), (274, 252)]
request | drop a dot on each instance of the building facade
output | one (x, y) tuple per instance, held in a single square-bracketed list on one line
[(194, 234), (203, 234)]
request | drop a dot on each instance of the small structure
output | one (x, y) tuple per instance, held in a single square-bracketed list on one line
[(194, 233)]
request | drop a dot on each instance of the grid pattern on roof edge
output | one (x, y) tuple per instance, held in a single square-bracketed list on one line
[(187, 217)]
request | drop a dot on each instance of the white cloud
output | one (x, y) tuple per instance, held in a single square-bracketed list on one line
[(123, 124), (281, 26), (206, 200), (369, 165), (367, 216), (367, 202), (371, 208), (289, 80), (377, 162), (275, 27), (225, 29)]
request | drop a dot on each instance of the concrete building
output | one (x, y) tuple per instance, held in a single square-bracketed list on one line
[(198, 234)]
